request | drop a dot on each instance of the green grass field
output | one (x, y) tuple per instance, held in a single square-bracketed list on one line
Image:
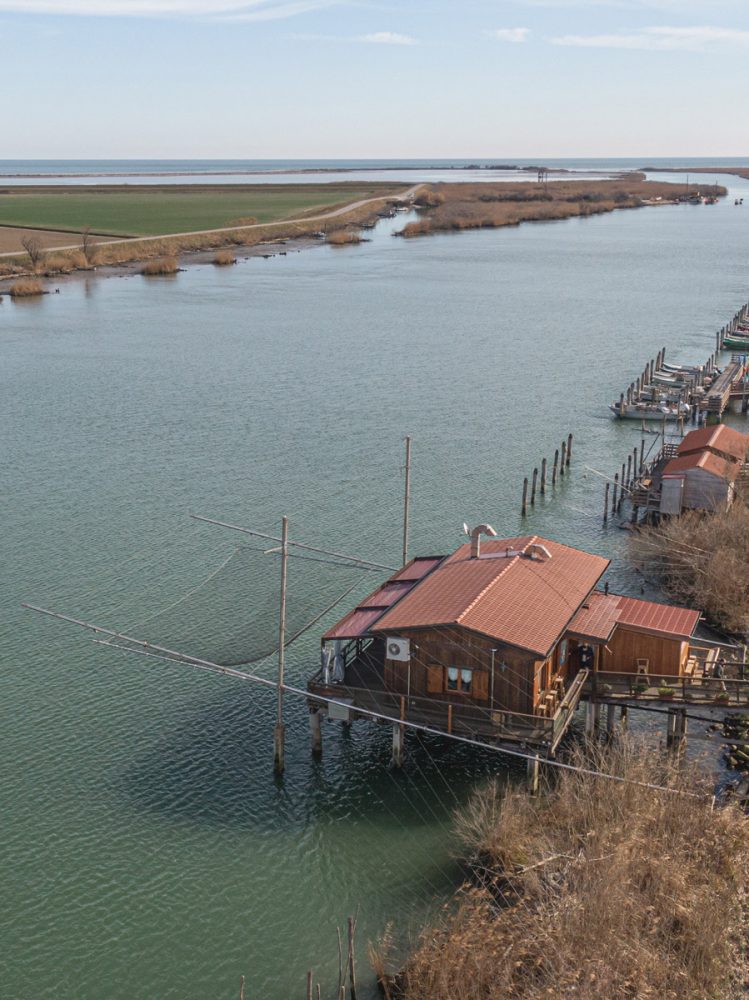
[(153, 211)]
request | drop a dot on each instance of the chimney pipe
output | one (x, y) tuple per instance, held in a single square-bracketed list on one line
[(478, 531)]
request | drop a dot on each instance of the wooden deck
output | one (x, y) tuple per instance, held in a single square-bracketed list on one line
[(719, 393), (364, 688), (731, 693)]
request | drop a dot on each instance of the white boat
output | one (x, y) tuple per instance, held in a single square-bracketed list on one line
[(651, 411)]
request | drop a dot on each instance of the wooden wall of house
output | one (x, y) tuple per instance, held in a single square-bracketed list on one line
[(434, 650), (626, 646), (704, 491)]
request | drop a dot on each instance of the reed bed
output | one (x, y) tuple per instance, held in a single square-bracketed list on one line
[(342, 237), (223, 258), (452, 207), (703, 561), (592, 889), (26, 288), (166, 265)]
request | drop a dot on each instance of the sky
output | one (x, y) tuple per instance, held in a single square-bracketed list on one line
[(369, 78)]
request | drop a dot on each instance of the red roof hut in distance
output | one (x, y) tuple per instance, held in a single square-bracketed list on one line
[(494, 641)]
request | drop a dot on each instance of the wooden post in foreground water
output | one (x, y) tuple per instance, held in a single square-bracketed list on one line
[(569, 448), (524, 505), (279, 731), (543, 476), (554, 469), (533, 488), (606, 504)]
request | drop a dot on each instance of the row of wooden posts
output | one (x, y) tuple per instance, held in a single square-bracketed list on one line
[(562, 458), (346, 971), (740, 317), (623, 483)]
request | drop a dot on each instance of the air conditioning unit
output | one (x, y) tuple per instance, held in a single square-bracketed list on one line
[(398, 649)]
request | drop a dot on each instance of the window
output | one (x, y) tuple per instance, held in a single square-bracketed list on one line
[(562, 652), (459, 680)]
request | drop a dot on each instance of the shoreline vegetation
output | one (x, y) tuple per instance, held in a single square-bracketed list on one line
[(452, 207), (92, 252), (702, 560), (585, 891)]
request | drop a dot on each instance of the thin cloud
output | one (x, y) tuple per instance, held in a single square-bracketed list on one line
[(515, 35), (386, 38), (247, 10), (661, 39)]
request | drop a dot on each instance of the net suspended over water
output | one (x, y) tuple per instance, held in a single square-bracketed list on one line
[(232, 617)]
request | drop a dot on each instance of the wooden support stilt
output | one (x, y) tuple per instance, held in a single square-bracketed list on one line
[(642, 456), (533, 487), (279, 729), (351, 957), (606, 503), (315, 727), (629, 472), (610, 720), (524, 504), (555, 468), (533, 768), (563, 462), (616, 487), (543, 476), (624, 717), (621, 491), (569, 449), (398, 740)]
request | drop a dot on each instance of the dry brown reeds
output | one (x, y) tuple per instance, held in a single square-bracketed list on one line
[(342, 237), (165, 265), (224, 258), (703, 561), (594, 889), (26, 288), (492, 205)]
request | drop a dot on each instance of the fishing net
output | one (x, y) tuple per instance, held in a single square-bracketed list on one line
[(232, 616)]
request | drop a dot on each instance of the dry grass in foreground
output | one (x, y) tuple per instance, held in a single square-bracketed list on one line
[(592, 890), (224, 258), (342, 238), (167, 265), (703, 561), (486, 205), (26, 288)]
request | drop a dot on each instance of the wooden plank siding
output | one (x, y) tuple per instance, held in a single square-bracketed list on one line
[(664, 655), (519, 676), (705, 491)]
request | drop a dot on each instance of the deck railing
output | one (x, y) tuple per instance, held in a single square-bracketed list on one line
[(667, 687)]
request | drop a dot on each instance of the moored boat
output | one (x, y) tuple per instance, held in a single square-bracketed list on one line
[(650, 411)]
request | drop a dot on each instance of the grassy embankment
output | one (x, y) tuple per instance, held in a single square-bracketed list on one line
[(593, 889), (703, 562), (450, 207), (251, 213)]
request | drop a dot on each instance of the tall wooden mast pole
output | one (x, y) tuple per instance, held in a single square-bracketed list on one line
[(406, 500), (278, 733)]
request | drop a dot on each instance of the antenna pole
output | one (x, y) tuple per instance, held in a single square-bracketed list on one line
[(406, 500), (279, 731)]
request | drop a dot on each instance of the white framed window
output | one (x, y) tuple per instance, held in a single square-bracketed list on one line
[(466, 681), (453, 679)]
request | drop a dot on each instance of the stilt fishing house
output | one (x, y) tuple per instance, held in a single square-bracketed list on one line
[(495, 641)]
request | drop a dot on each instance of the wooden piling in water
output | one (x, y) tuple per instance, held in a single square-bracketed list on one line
[(564, 458), (524, 505), (616, 487), (543, 476), (569, 448), (629, 472), (533, 488), (621, 491), (606, 504), (642, 456), (554, 470)]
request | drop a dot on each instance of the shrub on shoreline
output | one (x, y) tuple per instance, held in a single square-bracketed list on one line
[(26, 288), (342, 237), (224, 258), (166, 265)]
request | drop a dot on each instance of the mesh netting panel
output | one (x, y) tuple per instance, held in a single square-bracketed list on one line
[(232, 618)]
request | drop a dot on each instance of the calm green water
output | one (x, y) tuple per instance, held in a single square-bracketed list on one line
[(147, 850)]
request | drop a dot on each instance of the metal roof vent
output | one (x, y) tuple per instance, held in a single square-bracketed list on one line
[(476, 533), (537, 551)]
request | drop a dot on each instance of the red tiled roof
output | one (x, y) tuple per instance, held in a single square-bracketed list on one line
[(597, 618), (359, 621), (506, 594), (718, 438), (705, 460), (657, 619)]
